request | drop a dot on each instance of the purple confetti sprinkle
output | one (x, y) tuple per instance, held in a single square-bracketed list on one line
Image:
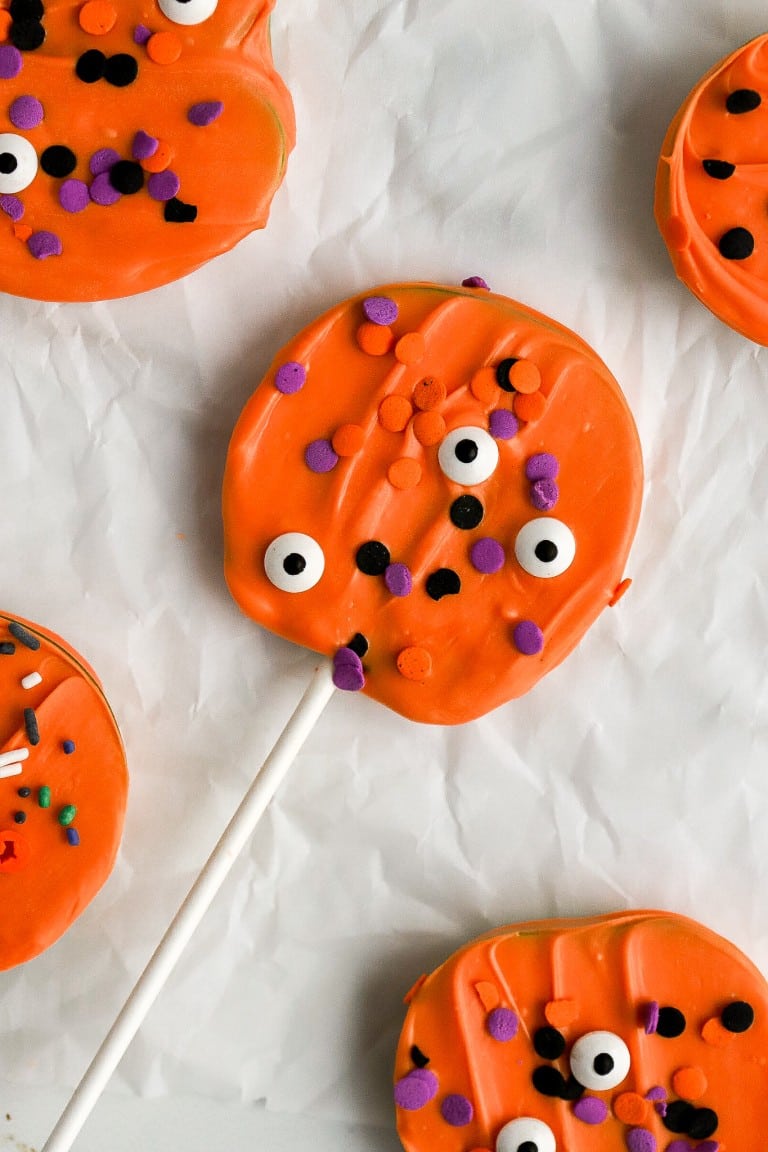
[(10, 62), (163, 185), (12, 206), (456, 1110), (542, 466), (528, 638), (144, 145), (290, 377), (205, 113), (475, 282), (348, 675), (398, 580), (502, 424), (102, 192), (26, 112), (544, 495), (319, 456), (656, 1093), (44, 244), (73, 837), (652, 1022), (502, 1024), (590, 1110), (661, 1108), (74, 195), (102, 161), (487, 556), (380, 310), (416, 1089), (141, 34), (641, 1140)]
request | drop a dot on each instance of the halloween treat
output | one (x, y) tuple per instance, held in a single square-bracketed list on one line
[(638, 1031), (437, 488), (137, 140), (63, 784), (712, 190)]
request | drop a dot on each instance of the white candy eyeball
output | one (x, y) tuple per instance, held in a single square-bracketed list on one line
[(187, 11), (18, 163), (526, 1134), (468, 456), (294, 562), (545, 547), (600, 1060)]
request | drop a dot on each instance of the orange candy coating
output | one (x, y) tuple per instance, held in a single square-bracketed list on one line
[(46, 882), (612, 967), (397, 493)]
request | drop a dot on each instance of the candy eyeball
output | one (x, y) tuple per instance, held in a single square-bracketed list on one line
[(526, 1134), (187, 11), (294, 562), (545, 547), (18, 163), (600, 1060), (468, 456)]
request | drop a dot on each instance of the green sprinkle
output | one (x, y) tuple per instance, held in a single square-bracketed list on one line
[(44, 796), (67, 815)]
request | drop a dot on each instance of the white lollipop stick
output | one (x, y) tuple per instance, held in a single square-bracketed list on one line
[(191, 912)]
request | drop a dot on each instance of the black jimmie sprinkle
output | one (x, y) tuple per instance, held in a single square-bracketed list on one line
[(30, 723), (26, 638)]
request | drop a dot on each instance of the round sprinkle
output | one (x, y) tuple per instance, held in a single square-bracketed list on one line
[(530, 407), (404, 473), (348, 675), (44, 796), (74, 195), (548, 1081), (290, 377), (651, 1017), (348, 439), (372, 558), (641, 1140), (524, 376), (542, 466), (26, 9), (24, 792), (703, 1123), (163, 185), (428, 393), (528, 638), (97, 17), (380, 310), (73, 837), (102, 191), (690, 1083), (374, 339), (738, 1016), (631, 1108), (102, 161), (718, 169), (141, 34), (143, 146), (548, 1043), (590, 1110), (58, 160), (671, 1023), (487, 556), (164, 47), (418, 1057), (120, 70), (484, 386), (126, 176), (502, 424), (160, 160), (416, 1089), (20, 817), (358, 644), (205, 113), (68, 747), (12, 206), (90, 66), (26, 112), (715, 1034), (67, 815), (44, 244), (679, 1116), (736, 244), (319, 456), (560, 1013), (466, 512), (394, 413), (410, 348), (27, 35), (414, 664), (544, 495), (398, 579), (743, 100), (502, 1024), (428, 428), (443, 582), (456, 1110), (475, 282)]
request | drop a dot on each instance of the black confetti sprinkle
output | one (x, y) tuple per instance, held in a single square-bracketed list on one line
[(58, 160), (671, 1023), (467, 512), (90, 66), (358, 644), (743, 100), (373, 558), (126, 176), (718, 169), (444, 582), (549, 1043), (679, 1116), (737, 244), (177, 212), (418, 1057), (738, 1016), (120, 70)]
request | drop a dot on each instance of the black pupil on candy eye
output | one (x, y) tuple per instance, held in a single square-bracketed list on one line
[(294, 564), (8, 163), (546, 551), (466, 451), (528, 1146), (603, 1064)]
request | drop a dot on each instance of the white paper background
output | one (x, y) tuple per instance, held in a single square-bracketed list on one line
[(515, 139)]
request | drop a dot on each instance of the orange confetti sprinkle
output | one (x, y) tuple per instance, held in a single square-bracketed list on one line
[(97, 17), (16, 853), (5, 25), (488, 993), (631, 1108), (428, 428), (394, 413), (404, 473), (414, 989), (689, 1083), (375, 339), (414, 664), (484, 386), (715, 1034), (164, 47), (560, 1013), (619, 591), (348, 439), (22, 231), (410, 348), (525, 377), (529, 407), (429, 393), (160, 160)]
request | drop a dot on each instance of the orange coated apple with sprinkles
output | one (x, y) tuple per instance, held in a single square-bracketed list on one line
[(437, 488), (137, 140), (634, 1032)]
